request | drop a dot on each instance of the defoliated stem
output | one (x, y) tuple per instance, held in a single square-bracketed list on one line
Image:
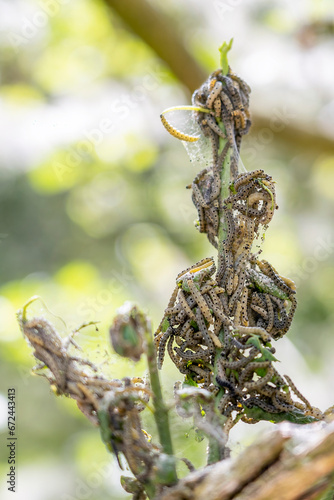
[(224, 192), (214, 451)]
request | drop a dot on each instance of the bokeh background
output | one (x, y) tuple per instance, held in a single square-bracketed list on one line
[(93, 206)]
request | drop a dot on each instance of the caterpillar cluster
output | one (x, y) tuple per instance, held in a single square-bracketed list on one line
[(197, 313), (192, 321), (227, 100), (219, 323), (205, 195), (257, 295)]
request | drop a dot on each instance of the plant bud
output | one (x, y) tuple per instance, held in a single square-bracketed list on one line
[(128, 330)]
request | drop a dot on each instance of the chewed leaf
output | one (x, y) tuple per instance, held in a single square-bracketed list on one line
[(180, 121), (165, 325), (262, 184), (266, 354), (296, 417), (255, 341), (189, 381)]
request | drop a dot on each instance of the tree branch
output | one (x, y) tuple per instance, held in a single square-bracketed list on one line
[(159, 32), (290, 462), (295, 135)]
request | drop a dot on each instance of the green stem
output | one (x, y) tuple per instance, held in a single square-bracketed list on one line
[(224, 192), (160, 409), (224, 49), (214, 451)]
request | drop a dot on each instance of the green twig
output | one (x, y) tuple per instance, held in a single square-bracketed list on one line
[(161, 410), (224, 49)]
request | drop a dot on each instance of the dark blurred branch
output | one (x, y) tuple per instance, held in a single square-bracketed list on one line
[(294, 135), (160, 33)]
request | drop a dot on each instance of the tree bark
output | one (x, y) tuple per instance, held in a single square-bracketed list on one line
[(291, 462)]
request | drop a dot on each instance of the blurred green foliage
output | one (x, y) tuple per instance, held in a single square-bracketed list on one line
[(87, 228)]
